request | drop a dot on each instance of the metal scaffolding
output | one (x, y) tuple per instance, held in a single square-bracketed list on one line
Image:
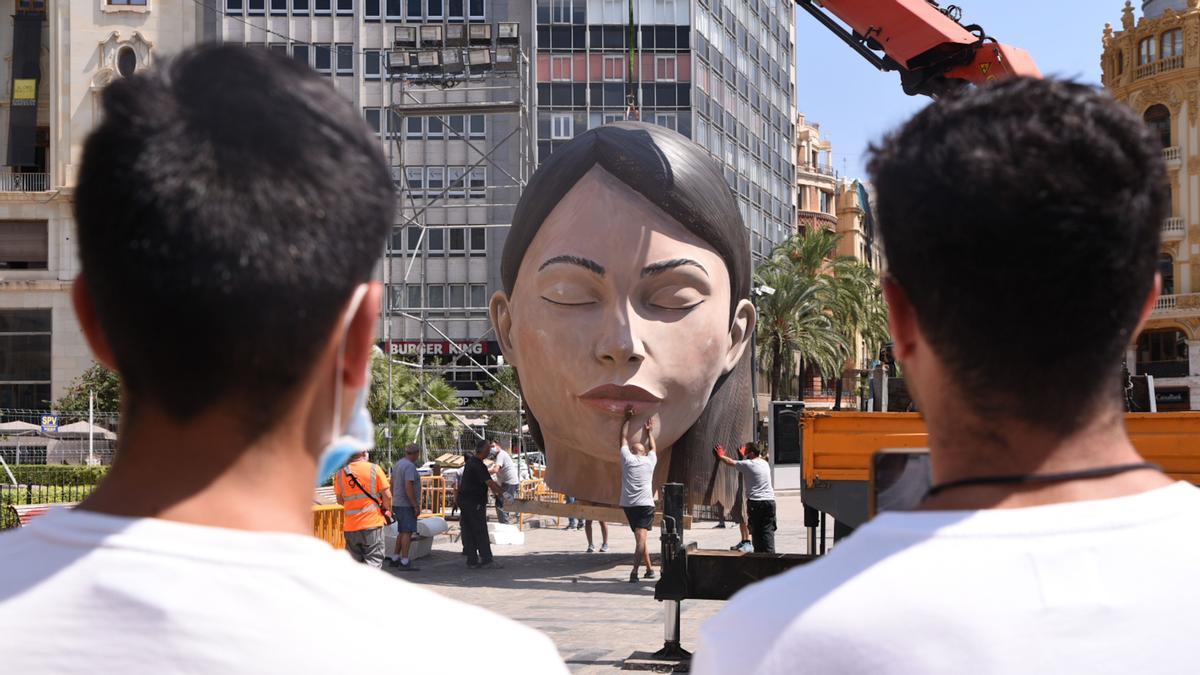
[(439, 93)]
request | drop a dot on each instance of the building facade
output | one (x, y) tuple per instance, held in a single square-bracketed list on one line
[(816, 179), (55, 59), (1153, 65), (720, 72)]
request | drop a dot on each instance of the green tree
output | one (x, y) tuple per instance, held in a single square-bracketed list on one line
[(98, 379), (822, 304), (502, 396), (396, 386)]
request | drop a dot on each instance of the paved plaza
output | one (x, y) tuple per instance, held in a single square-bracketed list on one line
[(584, 601)]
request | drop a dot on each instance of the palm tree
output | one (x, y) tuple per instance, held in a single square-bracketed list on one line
[(397, 386), (822, 303)]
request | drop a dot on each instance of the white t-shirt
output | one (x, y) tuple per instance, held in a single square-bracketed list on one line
[(87, 592), (757, 472), (637, 478), (506, 472), (1104, 586)]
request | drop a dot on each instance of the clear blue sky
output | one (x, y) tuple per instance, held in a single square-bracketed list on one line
[(856, 104)]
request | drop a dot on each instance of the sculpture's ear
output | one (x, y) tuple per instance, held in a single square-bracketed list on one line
[(499, 311), (744, 319)]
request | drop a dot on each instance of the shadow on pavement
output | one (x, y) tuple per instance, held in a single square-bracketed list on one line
[(564, 572)]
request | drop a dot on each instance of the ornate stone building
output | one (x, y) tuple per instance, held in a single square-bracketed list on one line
[(816, 179), (1153, 65)]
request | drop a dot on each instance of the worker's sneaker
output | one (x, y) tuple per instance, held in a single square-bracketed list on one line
[(648, 575), (491, 565), (604, 547), (719, 526), (591, 549), (401, 567), (633, 578)]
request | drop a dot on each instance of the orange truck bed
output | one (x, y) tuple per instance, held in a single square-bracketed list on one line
[(837, 446)]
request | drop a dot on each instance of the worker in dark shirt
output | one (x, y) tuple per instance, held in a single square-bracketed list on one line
[(472, 504)]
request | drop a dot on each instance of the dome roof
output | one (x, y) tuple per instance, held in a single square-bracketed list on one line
[(1153, 8)]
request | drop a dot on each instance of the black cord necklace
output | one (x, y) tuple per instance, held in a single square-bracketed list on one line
[(1026, 478)]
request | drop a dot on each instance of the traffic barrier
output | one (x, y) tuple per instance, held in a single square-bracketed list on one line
[(433, 497), (328, 523)]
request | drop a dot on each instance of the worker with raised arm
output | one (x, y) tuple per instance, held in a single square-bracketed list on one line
[(760, 497), (637, 491)]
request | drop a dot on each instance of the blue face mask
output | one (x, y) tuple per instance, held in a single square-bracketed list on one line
[(359, 433)]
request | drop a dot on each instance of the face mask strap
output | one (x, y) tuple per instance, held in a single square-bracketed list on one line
[(356, 299)]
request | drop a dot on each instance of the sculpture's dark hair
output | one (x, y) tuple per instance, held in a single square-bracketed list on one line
[(1022, 220), (228, 203), (679, 177)]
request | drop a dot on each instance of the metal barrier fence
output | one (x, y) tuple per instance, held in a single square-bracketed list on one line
[(328, 521), (49, 437), (43, 484)]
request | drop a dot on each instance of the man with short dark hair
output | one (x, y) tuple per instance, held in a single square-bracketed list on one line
[(406, 505), (473, 488), (363, 490), (231, 206), (1021, 224), (505, 471), (760, 496)]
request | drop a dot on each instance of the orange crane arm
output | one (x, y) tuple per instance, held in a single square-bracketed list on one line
[(927, 44)]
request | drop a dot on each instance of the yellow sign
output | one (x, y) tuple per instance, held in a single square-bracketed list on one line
[(25, 90), (985, 67)]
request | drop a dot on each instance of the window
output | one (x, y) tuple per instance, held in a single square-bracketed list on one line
[(478, 126), (475, 10), (562, 127), (25, 364), (324, 58), (560, 68), (395, 10), (1166, 267), (414, 295), (414, 238), (1147, 51), (256, 7), (614, 68), (437, 296), (458, 125), (321, 7), (415, 10), (233, 6), (371, 10), (478, 240), (609, 118), (24, 245), (278, 47), (372, 64), (458, 295), (458, 241), (1158, 118), (436, 129), (560, 11), (435, 180), (478, 296), (1172, 43), (415, 176), (299, 7), (434, 8), (345, 7), (300, 53), (478, 181), (457, 175), (437, 239), (414, 128), (668, 120), (279, 6), (345, 59), (374, 118), (664, 68), (456, 12)]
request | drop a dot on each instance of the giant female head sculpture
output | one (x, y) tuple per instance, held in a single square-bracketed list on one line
[(626, 285)]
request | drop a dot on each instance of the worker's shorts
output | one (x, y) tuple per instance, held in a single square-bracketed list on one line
[(406, 518), (640, 517)]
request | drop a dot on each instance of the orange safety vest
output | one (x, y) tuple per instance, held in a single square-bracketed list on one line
[(362, 513)]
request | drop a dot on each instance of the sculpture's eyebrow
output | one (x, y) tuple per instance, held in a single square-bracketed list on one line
[(590, 265), (660, 267)]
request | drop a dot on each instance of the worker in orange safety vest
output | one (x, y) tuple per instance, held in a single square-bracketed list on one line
[(363, 489)]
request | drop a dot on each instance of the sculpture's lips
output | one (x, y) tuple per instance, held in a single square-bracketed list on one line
[(615, 399)]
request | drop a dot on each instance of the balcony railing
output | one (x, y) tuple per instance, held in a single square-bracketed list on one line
[(24, 182), (1183, 302), (1173, 228), (814, 219), (1171, 154), (817, 169), (1160, 66)]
